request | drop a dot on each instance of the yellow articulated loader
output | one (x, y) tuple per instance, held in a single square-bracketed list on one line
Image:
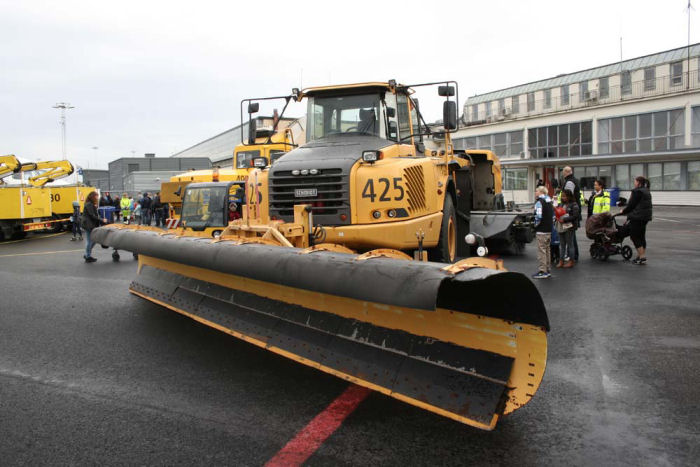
[(320, 267)]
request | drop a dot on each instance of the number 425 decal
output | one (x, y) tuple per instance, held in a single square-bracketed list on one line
[(383, 185)]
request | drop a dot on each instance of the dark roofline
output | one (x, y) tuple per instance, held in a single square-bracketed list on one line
[(228, 131)]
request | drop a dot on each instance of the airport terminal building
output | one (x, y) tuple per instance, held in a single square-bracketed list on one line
[(613, 122)]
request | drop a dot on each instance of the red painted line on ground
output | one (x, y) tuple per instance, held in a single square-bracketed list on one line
[(312, 436)]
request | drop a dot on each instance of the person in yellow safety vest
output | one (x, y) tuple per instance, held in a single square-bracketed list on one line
[(125, 205), (600, 199)]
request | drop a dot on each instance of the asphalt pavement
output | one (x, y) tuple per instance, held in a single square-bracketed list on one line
[(91, 374)]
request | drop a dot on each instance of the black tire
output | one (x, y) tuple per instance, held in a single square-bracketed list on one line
[(593, 250), (446, 249), (115, 257), (626, 252)]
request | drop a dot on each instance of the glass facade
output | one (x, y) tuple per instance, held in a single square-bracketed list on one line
[(507, 144), (657, 131), (514, 179), (663, 176), (570, 139)]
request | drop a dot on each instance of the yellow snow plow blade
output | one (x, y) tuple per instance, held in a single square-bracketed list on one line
[(467, 341)]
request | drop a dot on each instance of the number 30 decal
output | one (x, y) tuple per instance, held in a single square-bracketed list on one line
[(384, 186)]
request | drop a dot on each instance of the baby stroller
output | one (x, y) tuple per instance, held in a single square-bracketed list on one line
[(607, 237)]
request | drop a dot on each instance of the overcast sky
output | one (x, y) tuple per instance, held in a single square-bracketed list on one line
[(156, 76)]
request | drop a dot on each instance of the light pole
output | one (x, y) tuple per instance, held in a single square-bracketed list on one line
[(63, 106), (95, 148)]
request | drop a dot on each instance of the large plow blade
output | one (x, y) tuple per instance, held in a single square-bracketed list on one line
[(467, 344)]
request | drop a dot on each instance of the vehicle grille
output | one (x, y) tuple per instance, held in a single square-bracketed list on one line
[(332, 200), (415, 188)]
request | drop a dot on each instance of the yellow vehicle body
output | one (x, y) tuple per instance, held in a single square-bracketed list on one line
[(465, 340), (62, 198), (23, 202)]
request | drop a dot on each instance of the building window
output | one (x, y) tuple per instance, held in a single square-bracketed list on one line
[(650, 78), (676, 73), (694, 175), (508, 144), (501, 107), (622, 176), (530, 101), (672, 176), (571, 139), (626, 83), (583, 91), (695, 126), (515, 104), (132, 168), (515, 179), (475, 112), (655, 176), (604, 87), (547, 98), (488, 109), (565, 95), (656, 131)]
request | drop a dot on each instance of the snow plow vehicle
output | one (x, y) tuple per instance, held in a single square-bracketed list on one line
[(320, 267)]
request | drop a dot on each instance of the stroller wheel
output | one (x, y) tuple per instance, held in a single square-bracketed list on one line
[(626, 252)]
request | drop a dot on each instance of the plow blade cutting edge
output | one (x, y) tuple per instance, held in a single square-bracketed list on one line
[(470, 345)]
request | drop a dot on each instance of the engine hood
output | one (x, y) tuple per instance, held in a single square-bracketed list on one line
[(338, 150)]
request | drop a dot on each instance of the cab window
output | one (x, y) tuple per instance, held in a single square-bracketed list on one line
[(404, 118), (276, 154), (358, 114), (244, 159)]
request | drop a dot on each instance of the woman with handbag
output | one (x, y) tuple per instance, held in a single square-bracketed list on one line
[(567, 221)]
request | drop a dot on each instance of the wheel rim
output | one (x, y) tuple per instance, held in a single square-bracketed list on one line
[(451, 239)]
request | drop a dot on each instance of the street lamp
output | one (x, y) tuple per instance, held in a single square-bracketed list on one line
[(63, 106)]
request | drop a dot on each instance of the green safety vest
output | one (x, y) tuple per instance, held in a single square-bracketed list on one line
[(124, 204), (601, 203)]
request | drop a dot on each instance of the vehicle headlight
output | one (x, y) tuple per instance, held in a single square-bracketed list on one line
[(370, 156)]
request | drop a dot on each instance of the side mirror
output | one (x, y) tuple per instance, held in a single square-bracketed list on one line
[(449, 115), (446, 91), (390, 112), (252, 130), (253, 107), (260, 162), (393, 130)]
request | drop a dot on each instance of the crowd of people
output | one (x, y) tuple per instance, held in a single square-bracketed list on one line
[(561, 217), (140, 209)]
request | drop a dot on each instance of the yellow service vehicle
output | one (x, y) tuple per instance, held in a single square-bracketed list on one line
[(266, 147), (465, 340), (35, 205)]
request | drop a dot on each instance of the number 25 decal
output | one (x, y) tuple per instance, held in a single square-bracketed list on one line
[(384, 186)]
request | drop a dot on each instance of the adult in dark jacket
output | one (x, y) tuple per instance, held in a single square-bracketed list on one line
[(638, 212), (572, 184), (158, 210), (568, 223), (146, 204), (89, 221)]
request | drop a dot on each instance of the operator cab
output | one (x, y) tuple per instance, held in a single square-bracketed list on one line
[(211, 206), (373, 110)]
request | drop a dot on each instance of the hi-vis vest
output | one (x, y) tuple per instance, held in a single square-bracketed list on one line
[(124, 204), (601, 203)]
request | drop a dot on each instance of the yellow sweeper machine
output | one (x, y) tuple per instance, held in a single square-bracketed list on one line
[(343, 260)]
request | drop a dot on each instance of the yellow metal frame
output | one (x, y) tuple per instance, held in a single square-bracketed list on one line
[(526, 344)]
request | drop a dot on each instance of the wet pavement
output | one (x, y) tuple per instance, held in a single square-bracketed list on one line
[(92, 374)]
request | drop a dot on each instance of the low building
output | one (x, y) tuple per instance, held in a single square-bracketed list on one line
[(140, 173), (613, 122), (96, 178)]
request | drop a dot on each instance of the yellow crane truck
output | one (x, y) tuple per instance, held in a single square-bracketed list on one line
[(34, 204), (464, 340)]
